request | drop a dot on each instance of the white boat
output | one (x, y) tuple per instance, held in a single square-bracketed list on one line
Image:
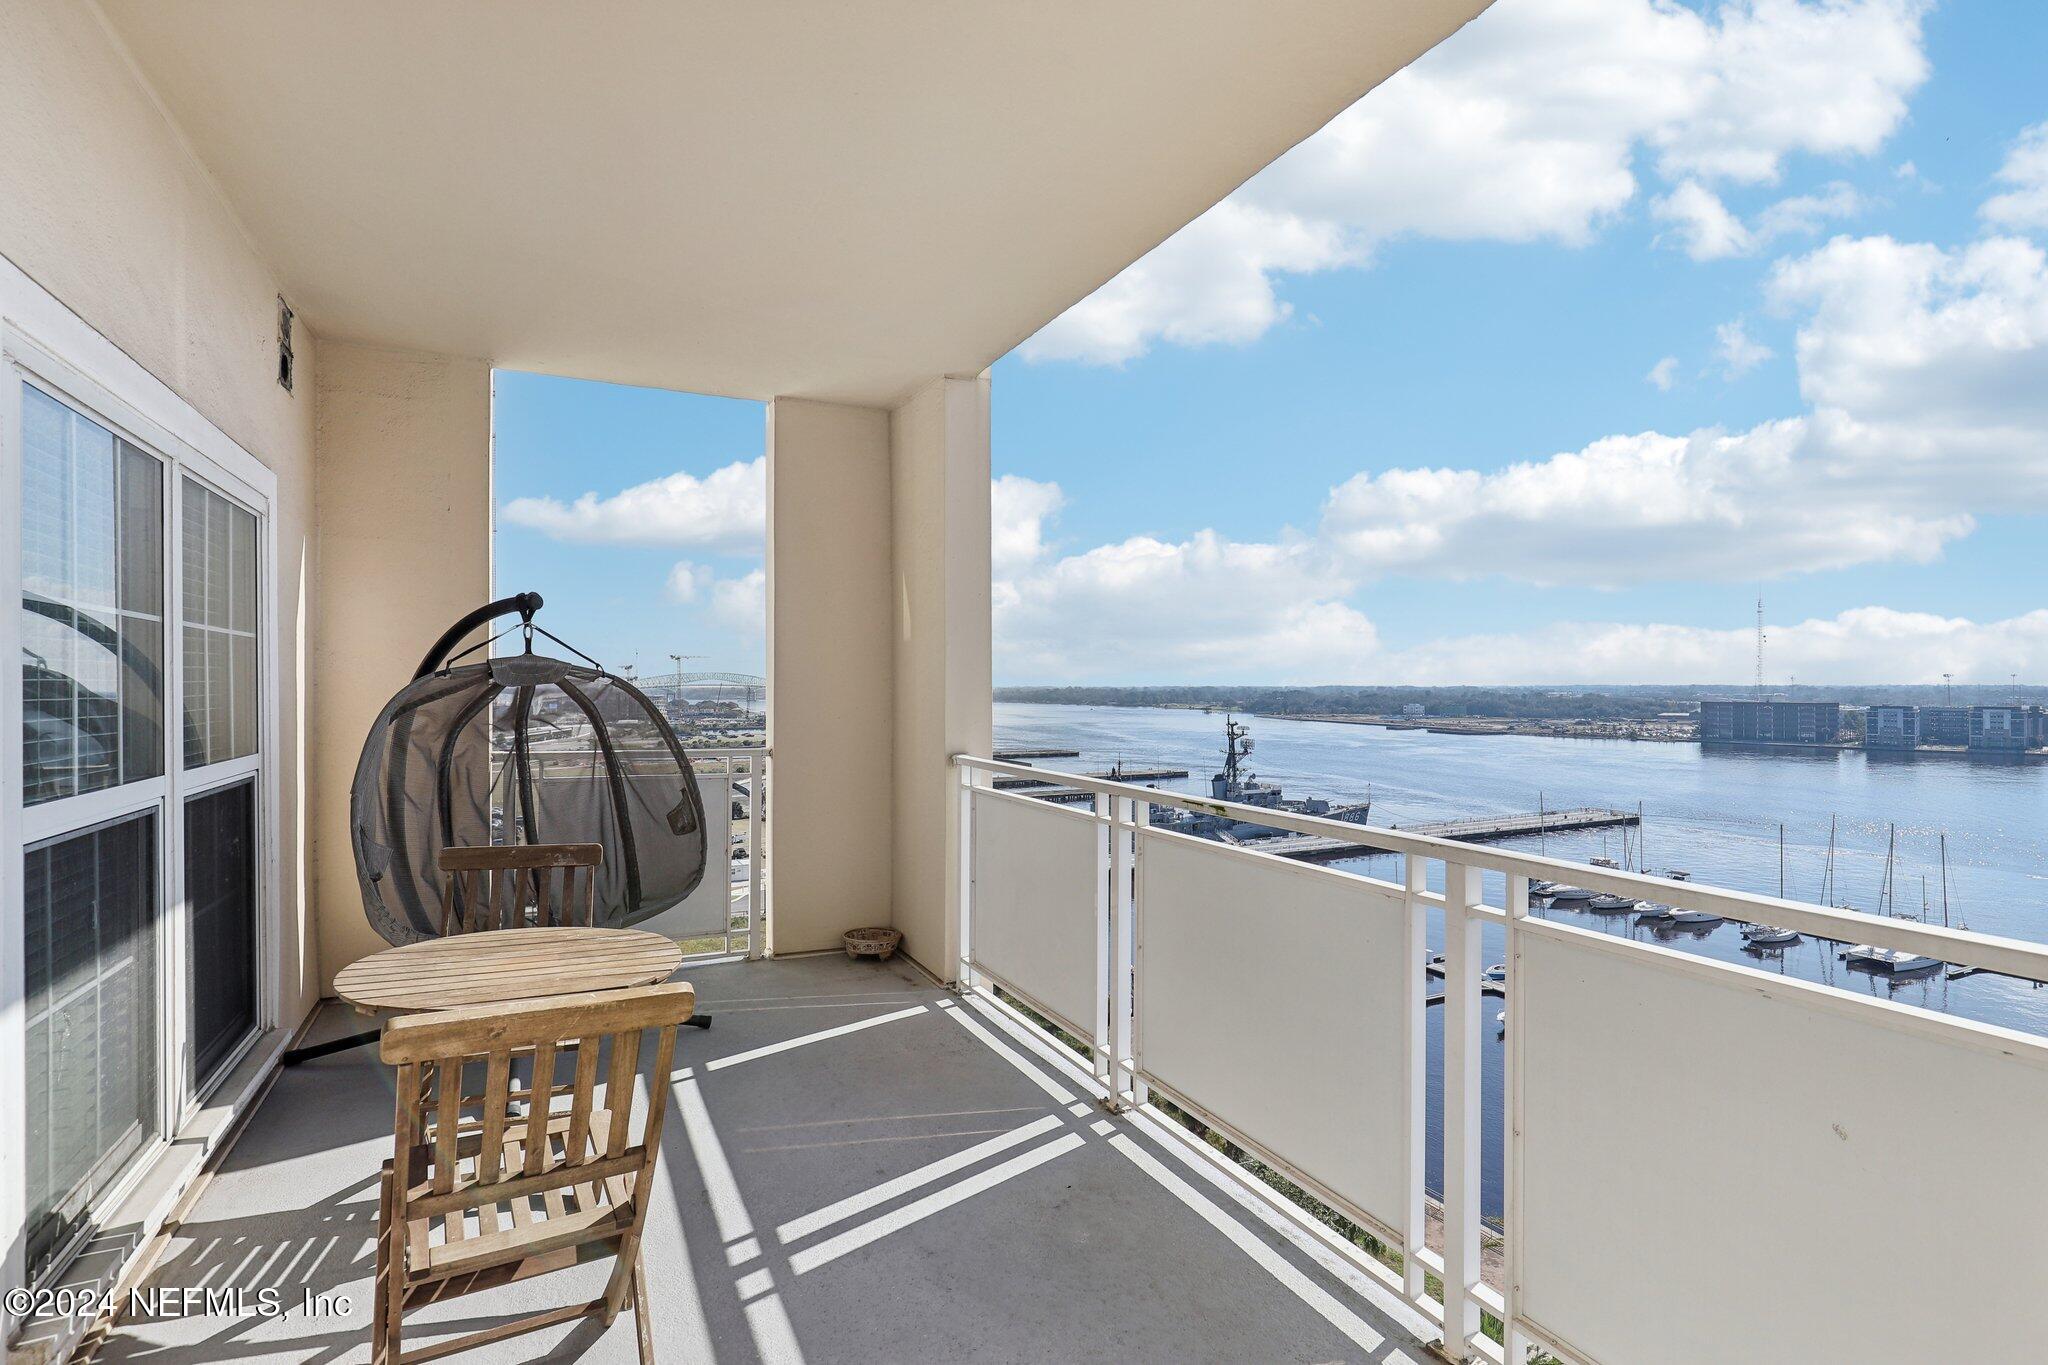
[(1768, 936), (1695, 919), (1655, 912), (1892, 961), (1569, 895), (1498, 972), (1609, 905)]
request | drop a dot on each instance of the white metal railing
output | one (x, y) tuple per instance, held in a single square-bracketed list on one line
[(727, 779), (1701, 1160)]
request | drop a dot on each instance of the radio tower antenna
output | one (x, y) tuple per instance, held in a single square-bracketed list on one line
[(1759, 646)]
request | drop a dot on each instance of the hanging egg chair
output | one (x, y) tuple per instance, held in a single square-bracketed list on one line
[(522, 749)]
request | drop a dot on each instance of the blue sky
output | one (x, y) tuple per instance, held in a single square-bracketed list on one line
[(1534, 366)]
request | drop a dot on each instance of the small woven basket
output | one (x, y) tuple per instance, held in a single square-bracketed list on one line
[(878, 943)]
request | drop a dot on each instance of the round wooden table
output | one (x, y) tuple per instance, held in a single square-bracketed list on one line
[(506, 964)]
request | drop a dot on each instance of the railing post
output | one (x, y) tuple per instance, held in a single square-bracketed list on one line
[(1511, 1123), (757, 885), (1106, 864), (1141, 1093), (1415, 1079), (965, 871), (1462, 1115), (1121, 849)]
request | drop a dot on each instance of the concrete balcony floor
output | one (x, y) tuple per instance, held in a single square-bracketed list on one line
[(843, 1179)]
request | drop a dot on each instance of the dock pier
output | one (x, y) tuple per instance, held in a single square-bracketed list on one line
[(1051, 789), (1316, 848)]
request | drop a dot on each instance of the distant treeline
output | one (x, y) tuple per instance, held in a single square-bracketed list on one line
[(1534, 703)]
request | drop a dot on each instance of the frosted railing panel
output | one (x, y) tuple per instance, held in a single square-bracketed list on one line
[(1271, 994), (1717, 1164), (705, 910), (1036, 900)]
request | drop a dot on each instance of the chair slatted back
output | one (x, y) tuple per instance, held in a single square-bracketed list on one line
[(513, 1179), (512, 886)]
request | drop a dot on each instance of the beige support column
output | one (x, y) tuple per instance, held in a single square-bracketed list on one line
[(401, 548), (831, 712), (940, 460)]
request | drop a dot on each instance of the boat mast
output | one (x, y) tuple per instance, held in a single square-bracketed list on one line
[(1827, 875), (1944, 879), (1781, 861), (1885, 896)]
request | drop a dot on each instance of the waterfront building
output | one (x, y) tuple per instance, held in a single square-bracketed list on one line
[(1891, 727), (1733, 721), (1948, 725), (1414, 710), (2006, 729)]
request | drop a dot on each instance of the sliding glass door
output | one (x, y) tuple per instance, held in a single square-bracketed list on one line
[(140, 847), (93, 695), (91, 917), (218, 614)]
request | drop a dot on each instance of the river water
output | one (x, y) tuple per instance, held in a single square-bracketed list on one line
[(1712, 812)]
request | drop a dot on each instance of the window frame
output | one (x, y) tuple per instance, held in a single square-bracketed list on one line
[(44, 345)]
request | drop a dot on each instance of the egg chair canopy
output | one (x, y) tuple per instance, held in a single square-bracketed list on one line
[(523, 749)]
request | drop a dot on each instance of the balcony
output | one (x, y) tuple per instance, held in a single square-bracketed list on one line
[(861, 1166), (847, 214), (1702, 1159)]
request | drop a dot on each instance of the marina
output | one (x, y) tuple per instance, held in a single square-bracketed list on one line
[(1714, 811)]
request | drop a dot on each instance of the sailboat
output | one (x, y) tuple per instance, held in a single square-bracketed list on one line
[(1771, 935), (1894, 961), (1944, 886)]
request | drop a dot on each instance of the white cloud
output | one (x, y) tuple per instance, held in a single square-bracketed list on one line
[(1663, 374), (1804, 214), (1933, 361), (1927, 371), (1702, 223), (687, 581), (1524, 126), (2024, 205), (725, 510), (1205, 607), (1864, 645), (1708, 231), (1019, 509), (741, 604), (1739, 352), (1633, 509), (1209, 282)]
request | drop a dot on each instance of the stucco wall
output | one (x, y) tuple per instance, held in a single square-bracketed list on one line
[(939, 483), (404, 490), (831, 667), (103, 205)]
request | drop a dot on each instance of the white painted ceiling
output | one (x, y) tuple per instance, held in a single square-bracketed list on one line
[(829, 200)]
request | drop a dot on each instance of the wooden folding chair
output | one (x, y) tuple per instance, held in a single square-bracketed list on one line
[(487, 1189), (513, 886)]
